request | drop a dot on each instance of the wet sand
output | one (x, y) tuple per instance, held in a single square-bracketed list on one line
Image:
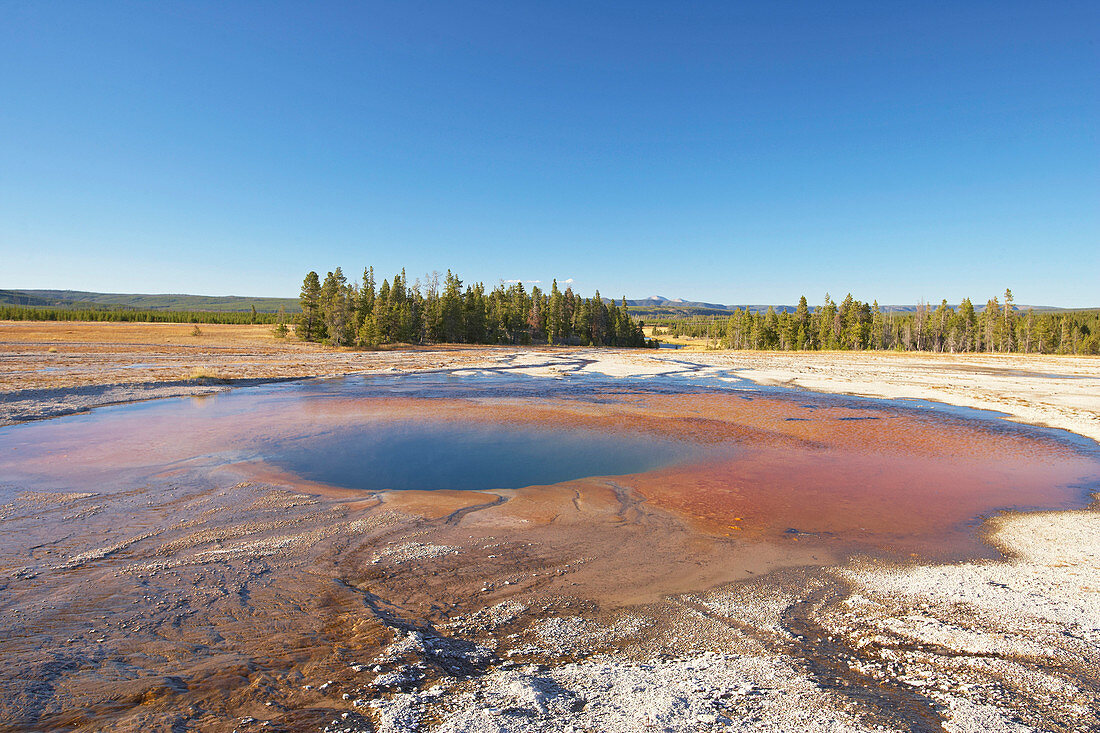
[(166, 587)]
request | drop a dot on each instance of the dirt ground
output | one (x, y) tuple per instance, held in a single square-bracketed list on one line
[(241, 598), (1057, 391)]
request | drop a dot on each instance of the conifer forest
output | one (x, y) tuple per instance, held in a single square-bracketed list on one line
[(998, 327), (442, 309), (367, 314)]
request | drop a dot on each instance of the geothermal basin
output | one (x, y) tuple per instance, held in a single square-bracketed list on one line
[(259, 554)]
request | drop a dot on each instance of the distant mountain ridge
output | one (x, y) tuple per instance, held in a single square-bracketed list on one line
[(698, 307), (77, 299), (657, 300)]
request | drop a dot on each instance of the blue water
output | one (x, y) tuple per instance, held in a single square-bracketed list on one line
[(386, 451), (446, 455)]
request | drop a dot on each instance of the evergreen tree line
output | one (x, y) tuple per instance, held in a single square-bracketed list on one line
[(366, 314), (38, 313), (998, 328)]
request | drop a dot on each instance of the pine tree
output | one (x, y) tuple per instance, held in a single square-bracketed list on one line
[(309, 299), (367, 293), (852, 316), (969, 323), (556, 306), (920, 323), (368, 335), (1065, 340), (336, 309), (1029, 329), (877, 340), (1008, 324), (787, 331), (403, 306), (385, 324), (599, 320), (451, 314), (991, 322), (940, 321), (568, 308), (474, 308), (536, 316), (802, 316), (826, 315), (582, 321)]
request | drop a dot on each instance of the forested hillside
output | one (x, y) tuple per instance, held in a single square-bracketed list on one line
[(367, 315), (998, 327), (180, 303), (127, 315)]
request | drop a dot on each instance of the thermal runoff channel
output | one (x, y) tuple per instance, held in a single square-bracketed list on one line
[(300, 533)]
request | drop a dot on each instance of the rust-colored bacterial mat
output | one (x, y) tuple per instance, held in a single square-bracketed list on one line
[(193, 563), (773, 466)]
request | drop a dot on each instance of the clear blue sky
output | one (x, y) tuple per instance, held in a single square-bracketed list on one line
[(729, 152)]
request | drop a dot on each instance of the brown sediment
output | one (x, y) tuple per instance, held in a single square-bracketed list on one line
[(770, 468), (437, 504), (883, 479), (176, 584)]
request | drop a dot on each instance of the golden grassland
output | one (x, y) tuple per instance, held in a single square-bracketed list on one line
[(47, 354), (51, 355), (212, 334)]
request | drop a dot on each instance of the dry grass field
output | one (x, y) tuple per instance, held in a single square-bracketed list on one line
[(54, 355)]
